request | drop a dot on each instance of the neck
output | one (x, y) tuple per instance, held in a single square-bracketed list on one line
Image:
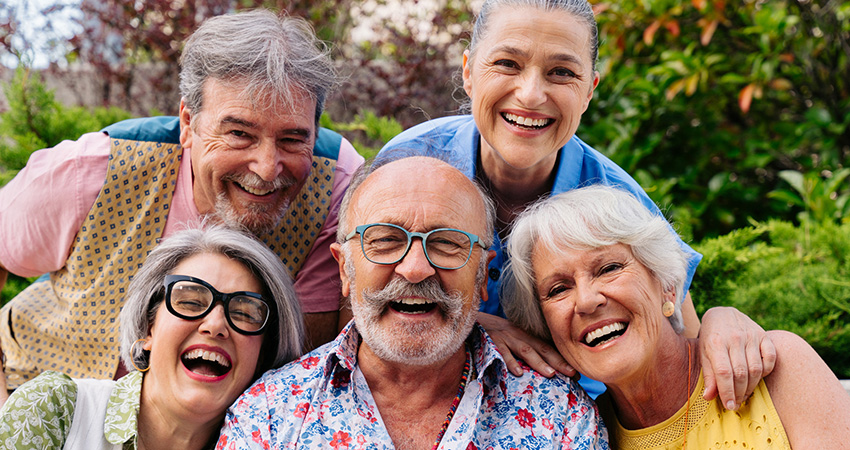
[(513, 189), (657, 394), (161, 427), (413, 400)]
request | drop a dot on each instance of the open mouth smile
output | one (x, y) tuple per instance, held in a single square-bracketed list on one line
[(260, 192), (605, 334), (206, 363), (416, 305), (526, 122)]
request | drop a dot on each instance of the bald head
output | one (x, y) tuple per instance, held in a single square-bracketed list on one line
[(416, 187)]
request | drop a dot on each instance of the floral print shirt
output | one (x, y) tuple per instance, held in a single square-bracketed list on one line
[(322, 400), (38, 414)]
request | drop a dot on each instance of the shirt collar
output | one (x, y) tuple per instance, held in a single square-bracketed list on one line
[(122, 409), (489, 365)]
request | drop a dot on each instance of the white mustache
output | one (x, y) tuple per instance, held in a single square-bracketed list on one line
[(449, 303)]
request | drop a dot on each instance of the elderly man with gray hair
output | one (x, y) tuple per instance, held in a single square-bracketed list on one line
[(412, 370), (246, 150)]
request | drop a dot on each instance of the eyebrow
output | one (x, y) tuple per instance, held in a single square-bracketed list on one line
[(249, 124), (566, 57)]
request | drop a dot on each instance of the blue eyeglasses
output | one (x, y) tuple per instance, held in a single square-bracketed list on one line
[(445, 248), (192, 298)]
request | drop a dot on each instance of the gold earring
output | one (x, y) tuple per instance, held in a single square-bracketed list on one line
[(133, 356), (668, 308)]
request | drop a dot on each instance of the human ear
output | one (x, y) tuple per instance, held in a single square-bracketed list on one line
[(339, 256)]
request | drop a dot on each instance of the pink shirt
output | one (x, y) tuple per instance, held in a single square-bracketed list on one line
[(44, 206)]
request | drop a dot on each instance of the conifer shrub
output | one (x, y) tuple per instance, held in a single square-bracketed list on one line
[(788, 277)]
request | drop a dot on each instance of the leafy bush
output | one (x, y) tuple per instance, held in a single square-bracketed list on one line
[(707, 102), (784, 277), (367, 132), (35, 120)]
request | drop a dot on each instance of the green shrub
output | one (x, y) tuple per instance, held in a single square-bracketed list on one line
[(35, 120), (784, 277), (367, 132)]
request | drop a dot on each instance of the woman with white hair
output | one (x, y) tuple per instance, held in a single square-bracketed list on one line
[(600, 275), (209, 311)]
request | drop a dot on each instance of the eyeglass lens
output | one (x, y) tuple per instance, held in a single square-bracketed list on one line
[(192, 300), (385, 244)]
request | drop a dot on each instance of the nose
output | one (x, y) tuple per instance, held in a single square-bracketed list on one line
[(588, 298), (531, 91), (266, 161), (415, 267), (215, 324)]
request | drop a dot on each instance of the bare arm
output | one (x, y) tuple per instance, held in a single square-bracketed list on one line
[(812, 404), (514, 343), (735, 353)]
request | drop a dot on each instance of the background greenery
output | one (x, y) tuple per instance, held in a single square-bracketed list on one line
[(734, 115)]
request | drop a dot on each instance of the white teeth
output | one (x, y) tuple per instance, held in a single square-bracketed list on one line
[(526, 120), (607, 329), (208, 356), (256, 191), (413, 301)]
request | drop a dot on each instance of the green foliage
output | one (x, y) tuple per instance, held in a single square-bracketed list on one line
[(36, 120), (14, 285), (707, 103), (820, 197), (367, 132), (784, 277)]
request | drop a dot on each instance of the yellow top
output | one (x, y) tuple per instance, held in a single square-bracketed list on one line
[(754, 426)]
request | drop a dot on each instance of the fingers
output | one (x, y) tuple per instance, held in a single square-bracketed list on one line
[(720, 364), (768, 356)]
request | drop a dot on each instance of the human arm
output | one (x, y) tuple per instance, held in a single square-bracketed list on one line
[(812, 404), (735, 354), (41, 409), (514, 343)]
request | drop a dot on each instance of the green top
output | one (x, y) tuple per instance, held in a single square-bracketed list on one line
[(38, 415)]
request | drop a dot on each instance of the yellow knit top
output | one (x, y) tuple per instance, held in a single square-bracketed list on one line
[(754, 426)]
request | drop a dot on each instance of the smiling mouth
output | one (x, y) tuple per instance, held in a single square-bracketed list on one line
[(526, 122), (260, 192), (413, 306), (206, 363), (604, 334)]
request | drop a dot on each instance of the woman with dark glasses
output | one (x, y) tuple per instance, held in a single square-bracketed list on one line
[(209, 311)]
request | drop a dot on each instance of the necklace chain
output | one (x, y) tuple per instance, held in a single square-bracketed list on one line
[(464, 376)]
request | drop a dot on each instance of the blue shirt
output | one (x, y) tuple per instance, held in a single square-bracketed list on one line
[(323, 401), (455, 139)]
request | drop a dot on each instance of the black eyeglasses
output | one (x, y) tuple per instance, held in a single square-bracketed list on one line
[(445, 248), (192, 298)]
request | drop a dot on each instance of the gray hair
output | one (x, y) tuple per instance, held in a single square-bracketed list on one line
[(282, 340), (269, 54), (387, 157), (581, 9), (587, 218)]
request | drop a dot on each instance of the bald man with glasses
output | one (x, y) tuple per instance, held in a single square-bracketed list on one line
[(412, 370)]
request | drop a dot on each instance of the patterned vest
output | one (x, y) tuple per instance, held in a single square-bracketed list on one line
[(68, 321)]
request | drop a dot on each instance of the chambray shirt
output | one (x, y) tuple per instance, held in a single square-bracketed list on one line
[(322, 400), (456, 139)]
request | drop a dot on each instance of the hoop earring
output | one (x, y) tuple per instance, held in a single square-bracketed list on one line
[(133, 353)]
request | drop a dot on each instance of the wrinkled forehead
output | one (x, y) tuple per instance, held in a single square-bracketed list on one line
[(419, 193), (260, 97)]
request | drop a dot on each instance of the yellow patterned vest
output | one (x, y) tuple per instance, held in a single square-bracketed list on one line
[(68, 321), (755, 426)]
